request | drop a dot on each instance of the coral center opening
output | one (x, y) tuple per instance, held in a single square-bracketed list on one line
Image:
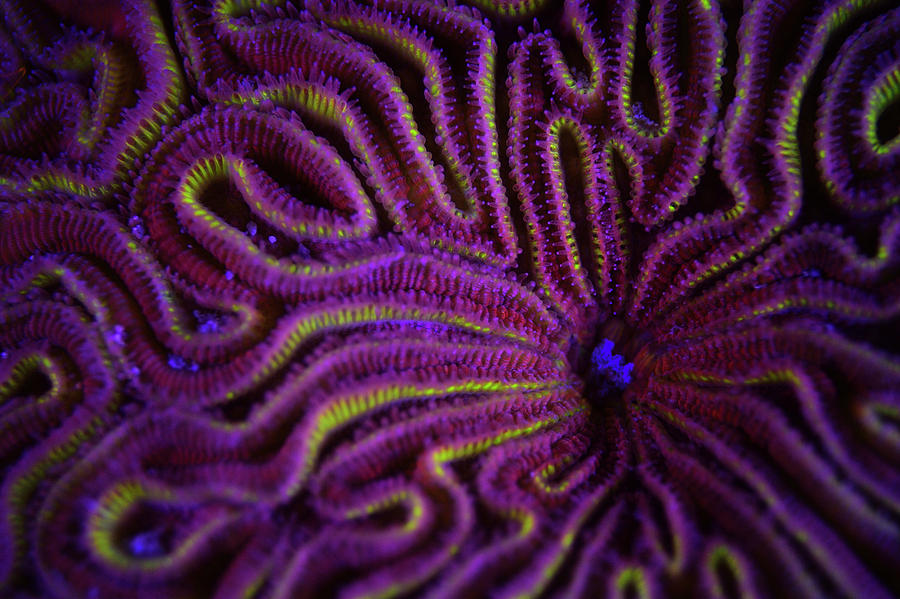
[(611, 361), (608, 372)]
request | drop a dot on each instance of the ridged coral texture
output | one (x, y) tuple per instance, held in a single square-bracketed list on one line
[(449, 298)]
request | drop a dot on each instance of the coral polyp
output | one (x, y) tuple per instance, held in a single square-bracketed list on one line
[(402, 298)]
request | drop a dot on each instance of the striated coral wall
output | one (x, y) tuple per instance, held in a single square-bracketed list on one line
[(410, 298)]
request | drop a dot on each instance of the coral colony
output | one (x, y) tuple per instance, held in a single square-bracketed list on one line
[(526, 298)]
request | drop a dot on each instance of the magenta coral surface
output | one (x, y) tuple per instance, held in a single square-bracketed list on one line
[(402, 298)]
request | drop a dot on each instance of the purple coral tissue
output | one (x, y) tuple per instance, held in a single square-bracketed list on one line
[(449, 298)]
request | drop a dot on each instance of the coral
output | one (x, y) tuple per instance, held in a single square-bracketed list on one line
[(449, 299)]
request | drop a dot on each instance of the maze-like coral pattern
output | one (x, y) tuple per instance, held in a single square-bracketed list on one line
[(531, 298)]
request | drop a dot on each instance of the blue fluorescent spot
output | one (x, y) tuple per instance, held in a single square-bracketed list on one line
[(610, 367), (147, 544)]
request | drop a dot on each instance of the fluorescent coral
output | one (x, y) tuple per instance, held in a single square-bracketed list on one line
[(449, 299)]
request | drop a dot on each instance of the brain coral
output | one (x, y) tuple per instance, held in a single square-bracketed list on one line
[(525, 298)]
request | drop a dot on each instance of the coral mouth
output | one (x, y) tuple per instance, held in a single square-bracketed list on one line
[(611, 367), (612, 357), (609, 372)]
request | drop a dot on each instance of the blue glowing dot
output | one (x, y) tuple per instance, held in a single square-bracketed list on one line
[(147, 545), (609, 366)]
